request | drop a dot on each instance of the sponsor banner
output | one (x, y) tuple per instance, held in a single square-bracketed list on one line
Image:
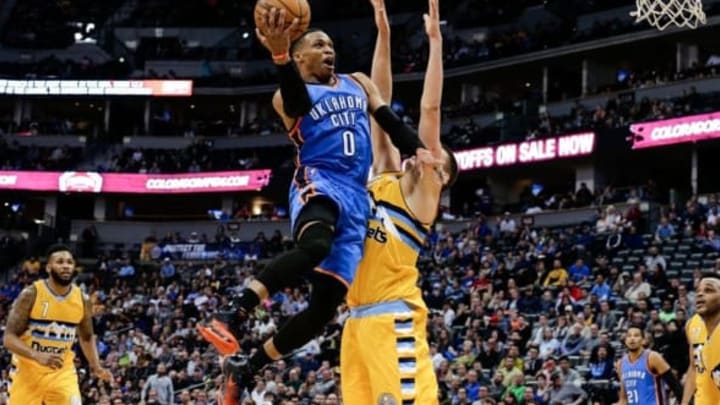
[(693, 128), (91, 182), (156, 88), (510, 154), (209, 251)]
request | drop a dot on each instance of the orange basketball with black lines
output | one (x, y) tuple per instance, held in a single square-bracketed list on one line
[(299, 9)]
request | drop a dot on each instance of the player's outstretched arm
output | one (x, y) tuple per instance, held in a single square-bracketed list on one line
[(276, 38), (660, 367), (386, 158), (17, 324), (402, 136), (689, 385), (88, 344), (429, 127), (381, 72), (623, 395)]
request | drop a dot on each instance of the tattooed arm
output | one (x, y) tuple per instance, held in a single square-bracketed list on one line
[(17, 324)]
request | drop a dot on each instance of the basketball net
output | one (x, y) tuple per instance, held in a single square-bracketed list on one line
[(664, 13)]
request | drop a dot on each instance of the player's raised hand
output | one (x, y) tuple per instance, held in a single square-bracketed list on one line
[(381, 19), (428, 160), (53, 361), (432, 20), (103, 374), (273, 33)]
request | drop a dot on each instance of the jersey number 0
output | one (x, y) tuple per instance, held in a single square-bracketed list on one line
[(348, 143)]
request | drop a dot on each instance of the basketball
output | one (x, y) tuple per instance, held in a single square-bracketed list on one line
[(299, 9)]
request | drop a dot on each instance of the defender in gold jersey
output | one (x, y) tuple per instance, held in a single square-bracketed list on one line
[(703, 376), (40, 333), (385, 358)]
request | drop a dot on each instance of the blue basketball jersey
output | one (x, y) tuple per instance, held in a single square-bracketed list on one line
[(335, 135), (642, 387)]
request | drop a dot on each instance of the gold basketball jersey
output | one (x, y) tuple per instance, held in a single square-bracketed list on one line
[(706, 393), (52, 326), (394, 238), (711, 362)]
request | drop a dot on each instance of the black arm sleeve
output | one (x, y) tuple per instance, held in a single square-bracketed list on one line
[(296, 100), (673, 384), (402, 136)]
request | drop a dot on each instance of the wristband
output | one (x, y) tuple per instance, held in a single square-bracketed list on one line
[(281, 57)]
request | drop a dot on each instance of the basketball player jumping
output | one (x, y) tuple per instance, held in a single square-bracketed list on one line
[(327, 118), (644, 374), (40, 333), (385, 358), (703, 375)]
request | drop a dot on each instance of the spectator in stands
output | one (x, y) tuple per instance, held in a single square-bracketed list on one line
[(508, 226), (712, 216), (569, 374), (633, 216), (712, 241), (601, 365), (665, 230), (574, 342), (258, 393), (654, 258), (601, 289), (516, 388), (167, 271), (161, 384), (606, 319), (614, 218), (557, 276), (601, 225), (667, 313), (126, 269), (472, 385), (533, 362), (637, 289), (614, 241), (496, 387), (601, 369), (564, 393), (468, 355), (579, 271), (549, 345), (658, 279)]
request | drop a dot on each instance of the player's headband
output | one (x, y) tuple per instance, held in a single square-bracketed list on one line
[(711, 280)]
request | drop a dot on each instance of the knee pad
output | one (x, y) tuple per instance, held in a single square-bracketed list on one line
[(316, 240), (321, 313)]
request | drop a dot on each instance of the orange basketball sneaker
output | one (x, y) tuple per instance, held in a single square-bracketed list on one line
[(219, 336)]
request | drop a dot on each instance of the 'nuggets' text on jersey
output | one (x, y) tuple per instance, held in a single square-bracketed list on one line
[(393, 241), (52, 326)]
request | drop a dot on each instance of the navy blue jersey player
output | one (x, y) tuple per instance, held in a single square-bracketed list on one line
[(645, 376), (327, 116)]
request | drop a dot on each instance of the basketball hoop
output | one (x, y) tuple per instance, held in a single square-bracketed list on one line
[(664, 13)]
